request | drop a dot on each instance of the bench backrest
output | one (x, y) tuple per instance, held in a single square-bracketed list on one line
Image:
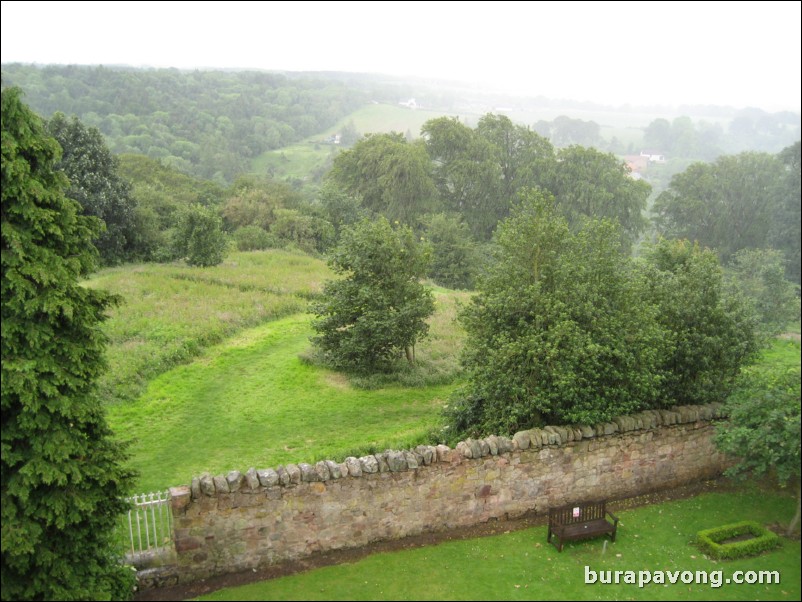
[(577, 513)]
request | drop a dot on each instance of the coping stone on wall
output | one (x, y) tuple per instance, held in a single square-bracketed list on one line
[(425, 455)]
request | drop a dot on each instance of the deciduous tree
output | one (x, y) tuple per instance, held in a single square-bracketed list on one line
[(763, 430), (711, 334), (454, 256), (390, 175), (785, 233), (379, 307), (560, 330), (589, 184), (96, 184), (727, 205), (199, 237)]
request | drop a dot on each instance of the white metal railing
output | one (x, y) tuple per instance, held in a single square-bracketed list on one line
[(150, 526)]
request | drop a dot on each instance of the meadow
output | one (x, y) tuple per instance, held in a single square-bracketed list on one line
[(211, 370), (520, 565), (169, 314)]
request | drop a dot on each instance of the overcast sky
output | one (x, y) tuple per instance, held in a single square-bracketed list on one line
[(726, 53)]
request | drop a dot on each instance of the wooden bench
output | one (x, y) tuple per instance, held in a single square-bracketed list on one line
[(579, 521)]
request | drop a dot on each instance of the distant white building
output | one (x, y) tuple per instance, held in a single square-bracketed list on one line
[(410, 104), (653, 156)]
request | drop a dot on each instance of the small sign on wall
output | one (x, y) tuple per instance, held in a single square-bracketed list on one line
[(576, 512)]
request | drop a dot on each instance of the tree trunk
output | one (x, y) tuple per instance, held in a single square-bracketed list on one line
[(410, 351), (795, 520)]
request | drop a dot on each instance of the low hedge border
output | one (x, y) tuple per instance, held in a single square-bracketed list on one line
[(709, 540)]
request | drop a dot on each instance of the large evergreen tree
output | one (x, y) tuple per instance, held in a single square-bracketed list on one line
[(62, 481)]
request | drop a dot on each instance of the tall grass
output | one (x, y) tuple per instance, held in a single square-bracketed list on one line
[(205, 371), (171, 313)]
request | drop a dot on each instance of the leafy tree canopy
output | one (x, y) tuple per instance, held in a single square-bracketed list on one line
[(559, 331), (728, 205), (711, 334), (391, 176), (209, 124), (199, 237), (96, 184), (454, 255), (763, 430), (785, 234), (759, 276), (568, 329), (589, 184), (378, 308)]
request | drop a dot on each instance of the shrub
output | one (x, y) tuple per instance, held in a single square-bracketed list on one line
[(199, 237), (253, 238), (713, 542)]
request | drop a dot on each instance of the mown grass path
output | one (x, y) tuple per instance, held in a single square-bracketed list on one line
[(251, 401)]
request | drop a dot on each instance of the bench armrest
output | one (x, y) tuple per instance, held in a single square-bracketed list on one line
[(613, 516)]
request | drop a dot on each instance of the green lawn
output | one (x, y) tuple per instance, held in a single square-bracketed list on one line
[(302, 160), (520, 565), (207, 371), (252, 402), (383, 117)]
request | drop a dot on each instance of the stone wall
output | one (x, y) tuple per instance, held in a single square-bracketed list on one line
[(235, 522)]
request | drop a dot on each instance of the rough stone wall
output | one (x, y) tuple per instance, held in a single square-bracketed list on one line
[(234, 522)]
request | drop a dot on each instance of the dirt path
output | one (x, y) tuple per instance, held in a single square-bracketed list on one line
[(427, 539)]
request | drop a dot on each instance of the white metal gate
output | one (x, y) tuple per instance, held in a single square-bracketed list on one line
[(150, 527)]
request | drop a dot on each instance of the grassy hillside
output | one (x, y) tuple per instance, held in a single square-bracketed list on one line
[(312, 156), (382, 117), (207, 123)]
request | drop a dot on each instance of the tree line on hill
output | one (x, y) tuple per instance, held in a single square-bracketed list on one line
[(452, 186), (208, 124)]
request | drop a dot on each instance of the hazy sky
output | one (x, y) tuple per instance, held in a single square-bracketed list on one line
[(726, 53)]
